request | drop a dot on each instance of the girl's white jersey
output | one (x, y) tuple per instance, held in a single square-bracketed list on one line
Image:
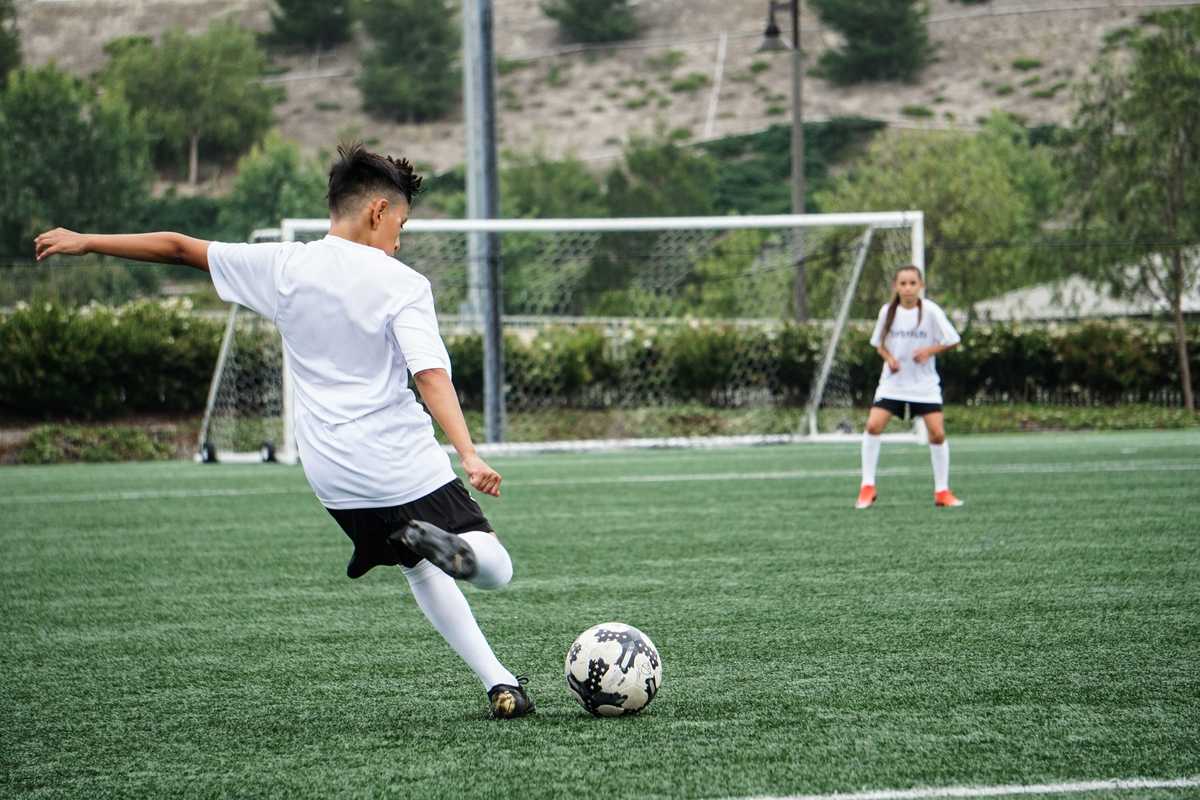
[(354, 323), (913, 382)]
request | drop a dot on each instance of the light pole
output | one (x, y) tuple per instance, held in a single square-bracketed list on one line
[(483, 249), (773, 43)]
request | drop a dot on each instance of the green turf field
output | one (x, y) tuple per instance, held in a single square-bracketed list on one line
[(182, 630)]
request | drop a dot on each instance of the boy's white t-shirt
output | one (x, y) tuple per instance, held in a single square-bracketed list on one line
[(913, 383), (354, 323)]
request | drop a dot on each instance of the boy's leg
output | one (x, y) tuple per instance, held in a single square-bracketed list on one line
[(447, 610), (493, 565), (475, 556)]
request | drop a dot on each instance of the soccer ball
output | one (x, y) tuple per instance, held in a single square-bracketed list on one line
[(613, 669)]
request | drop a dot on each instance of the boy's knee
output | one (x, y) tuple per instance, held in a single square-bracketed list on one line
[(937, 438), (498, 574), (495, 564)]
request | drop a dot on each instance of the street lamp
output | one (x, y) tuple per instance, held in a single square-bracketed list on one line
[(773, 43)]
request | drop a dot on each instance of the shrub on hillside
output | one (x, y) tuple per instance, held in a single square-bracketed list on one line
[(885, 40), (411, 72), (592, 21), (303, 23)]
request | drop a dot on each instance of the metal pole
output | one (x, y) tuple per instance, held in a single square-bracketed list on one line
[(483, 249), (800, 281), (839, 324)]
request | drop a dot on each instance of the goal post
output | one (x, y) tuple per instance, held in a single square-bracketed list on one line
[(248, 415), (652, 331)]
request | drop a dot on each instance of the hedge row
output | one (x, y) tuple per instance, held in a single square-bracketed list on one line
[(722, 365), (97, 362)]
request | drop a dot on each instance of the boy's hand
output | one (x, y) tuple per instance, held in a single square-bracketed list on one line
[(60, 241), (481, 476)]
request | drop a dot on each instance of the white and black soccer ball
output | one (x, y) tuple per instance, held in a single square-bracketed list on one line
[(613, 669)]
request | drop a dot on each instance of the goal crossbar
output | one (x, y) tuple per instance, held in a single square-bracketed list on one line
[(292, 227)]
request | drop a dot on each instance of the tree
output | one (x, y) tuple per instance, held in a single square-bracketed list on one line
[(537, 186), (540, 272), (748, 182), (313, 24), (68, 158), (656, 177), (884, 40), (273, 181), (593, 21), (1137, 166), (10, 40), (411, 72), (195, 90), (984, 196)]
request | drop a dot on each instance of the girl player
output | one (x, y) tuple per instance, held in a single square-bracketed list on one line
[(909, 334)]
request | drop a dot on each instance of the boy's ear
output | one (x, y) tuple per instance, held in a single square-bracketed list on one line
[(378, 208)]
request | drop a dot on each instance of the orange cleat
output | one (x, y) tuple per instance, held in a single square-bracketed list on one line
[(866, 497), (946, 499)]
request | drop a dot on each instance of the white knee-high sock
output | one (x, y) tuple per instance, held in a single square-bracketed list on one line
[(447, 609), (495, 566), (870, 458), (939, 454)]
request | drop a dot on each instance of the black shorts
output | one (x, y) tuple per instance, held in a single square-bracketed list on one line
[(900, 408), (450, 507)]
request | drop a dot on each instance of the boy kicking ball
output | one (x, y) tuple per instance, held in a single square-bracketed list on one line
[(355, 322)]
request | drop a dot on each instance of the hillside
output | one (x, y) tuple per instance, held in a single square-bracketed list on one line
[(587, 103)]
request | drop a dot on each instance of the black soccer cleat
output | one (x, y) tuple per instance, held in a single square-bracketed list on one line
[(444, 550), (510, 702)]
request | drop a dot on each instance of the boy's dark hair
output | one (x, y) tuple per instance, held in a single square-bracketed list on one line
[(358, 172)]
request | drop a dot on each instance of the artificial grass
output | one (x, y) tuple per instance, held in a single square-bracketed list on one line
[(185, 630)]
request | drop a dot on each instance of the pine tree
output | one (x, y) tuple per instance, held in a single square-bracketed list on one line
[(884, 40), (311, 24), (593, 20), (411, 72)]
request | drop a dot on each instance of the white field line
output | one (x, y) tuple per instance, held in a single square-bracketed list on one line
[(1109, 785), (148, 494), (1065, 468)]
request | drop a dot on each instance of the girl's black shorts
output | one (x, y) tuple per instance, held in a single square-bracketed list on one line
[(901, 408)]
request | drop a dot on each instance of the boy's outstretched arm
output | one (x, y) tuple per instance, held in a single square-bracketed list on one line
[(442, 401), (161, 248)]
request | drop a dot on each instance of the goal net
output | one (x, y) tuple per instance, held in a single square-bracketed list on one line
[(649, 331), (248, 414)]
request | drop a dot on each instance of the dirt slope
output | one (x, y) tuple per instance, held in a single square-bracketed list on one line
[(588, 102)]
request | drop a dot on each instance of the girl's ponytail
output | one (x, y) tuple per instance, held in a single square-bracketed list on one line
[(891, 315)]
